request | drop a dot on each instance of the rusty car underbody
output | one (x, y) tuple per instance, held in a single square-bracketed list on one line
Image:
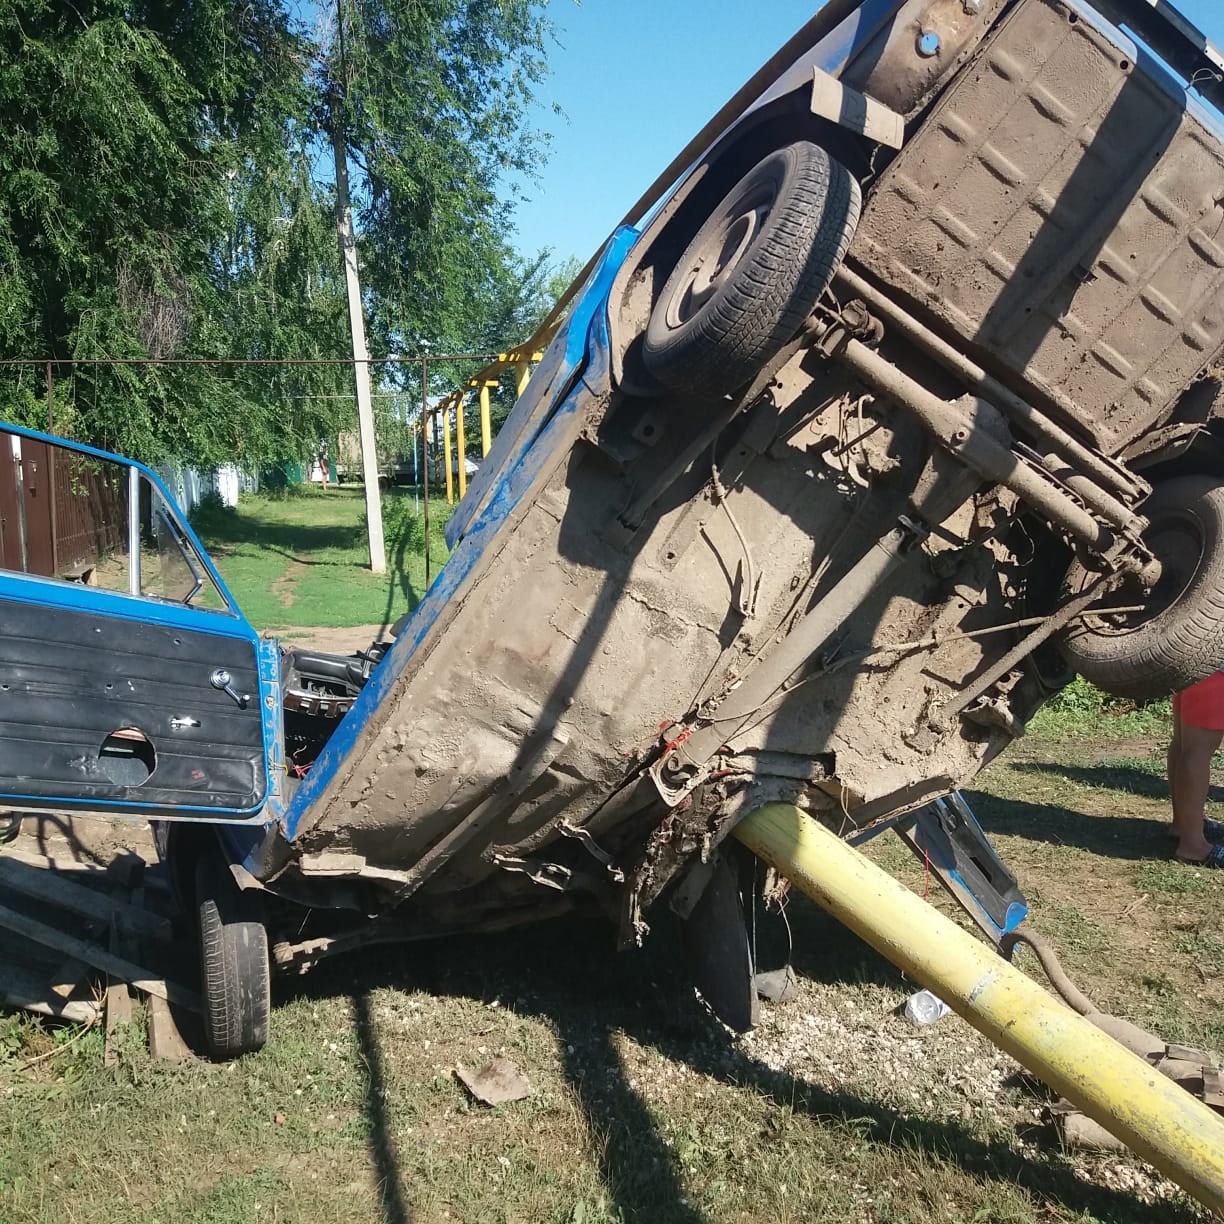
[(848, 580)]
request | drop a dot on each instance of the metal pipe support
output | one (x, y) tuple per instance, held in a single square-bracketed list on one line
[(1149, 1112), (955, 431), (1019, 409)]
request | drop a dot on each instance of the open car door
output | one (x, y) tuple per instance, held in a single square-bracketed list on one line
[(129, 680)]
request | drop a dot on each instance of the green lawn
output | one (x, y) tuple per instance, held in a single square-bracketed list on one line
[(301, 559)]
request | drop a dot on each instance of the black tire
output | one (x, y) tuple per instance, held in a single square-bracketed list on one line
[(753, 272), (235, 973), (1179, 639)]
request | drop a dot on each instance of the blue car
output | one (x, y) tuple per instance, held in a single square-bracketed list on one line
[(891, 409)]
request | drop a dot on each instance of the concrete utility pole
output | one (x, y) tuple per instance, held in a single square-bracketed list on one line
[(361, 356)]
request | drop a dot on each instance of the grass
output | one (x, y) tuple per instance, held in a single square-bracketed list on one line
[(302, 560), (1081, 711), (643, 1109)]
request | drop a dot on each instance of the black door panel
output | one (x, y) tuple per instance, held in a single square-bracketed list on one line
[(103, 709)]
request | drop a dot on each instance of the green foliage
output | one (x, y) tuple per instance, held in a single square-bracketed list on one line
[(404, 527), (401, 523), (160, 197), (127, 130), (431, 98), (1081, 709), (211, 516), (16, 1032)]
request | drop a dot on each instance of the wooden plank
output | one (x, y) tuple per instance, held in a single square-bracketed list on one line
[(52, 862), (66, 977), (118, 1009), (165, 1040), (20, 988), (118, 1012), (93, 954), (43, 885)]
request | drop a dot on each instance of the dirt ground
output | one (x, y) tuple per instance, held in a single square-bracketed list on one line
[(334, 641)]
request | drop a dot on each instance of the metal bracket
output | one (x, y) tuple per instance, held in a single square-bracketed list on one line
[(854, 111), (592, 847)]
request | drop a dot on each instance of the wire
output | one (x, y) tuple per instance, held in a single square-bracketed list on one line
[(916, 644), (747, 601)]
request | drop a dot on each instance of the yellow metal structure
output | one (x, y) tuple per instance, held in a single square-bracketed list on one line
[(446, 452), (523, 358), (518, 360), (486, 420), (1149, 1112), (461, 444)]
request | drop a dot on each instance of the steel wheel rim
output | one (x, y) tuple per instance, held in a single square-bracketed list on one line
[(721, 253)]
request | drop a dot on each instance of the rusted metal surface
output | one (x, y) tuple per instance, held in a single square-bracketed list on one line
[(593, 636), (90, 510), (1061, 212), (667, 609), (59, 511)]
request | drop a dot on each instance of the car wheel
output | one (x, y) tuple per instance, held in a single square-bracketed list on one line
[(235, 971), (1178, 639), (753, 272)]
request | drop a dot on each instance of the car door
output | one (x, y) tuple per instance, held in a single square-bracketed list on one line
[(129, 679)]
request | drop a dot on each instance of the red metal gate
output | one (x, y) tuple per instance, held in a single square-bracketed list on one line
[(60, 511)]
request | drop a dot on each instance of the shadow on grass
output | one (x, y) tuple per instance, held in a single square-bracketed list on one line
[(567, 975), (1149, 784), (400, 584), (1119, 837), (306, 544), (382, 1142), (292, 540)]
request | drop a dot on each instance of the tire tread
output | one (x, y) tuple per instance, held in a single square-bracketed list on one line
[(765, 301), (1183, 644), (234, 966)]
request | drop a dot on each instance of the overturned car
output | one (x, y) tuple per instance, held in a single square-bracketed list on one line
[(892, 411)]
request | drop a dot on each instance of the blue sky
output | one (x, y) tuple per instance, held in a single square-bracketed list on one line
[(636, 80)]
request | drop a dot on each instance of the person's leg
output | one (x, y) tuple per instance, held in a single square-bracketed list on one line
[(1189, 765), (1173, 762)]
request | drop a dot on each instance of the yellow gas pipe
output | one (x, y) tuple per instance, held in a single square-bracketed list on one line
[(1160, 1121)]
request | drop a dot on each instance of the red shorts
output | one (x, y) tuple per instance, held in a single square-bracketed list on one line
[(1202, 705)]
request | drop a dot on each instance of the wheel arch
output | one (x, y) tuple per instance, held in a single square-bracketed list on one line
[(1189, 441), (180, 846), (667, 234)]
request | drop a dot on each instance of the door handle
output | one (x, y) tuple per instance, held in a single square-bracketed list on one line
[(221, 679)]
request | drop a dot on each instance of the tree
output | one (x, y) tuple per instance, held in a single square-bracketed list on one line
[(161, 196), (126, 128), (432, 97)]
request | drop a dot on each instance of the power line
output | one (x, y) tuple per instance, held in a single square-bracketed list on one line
[(130, 361)]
